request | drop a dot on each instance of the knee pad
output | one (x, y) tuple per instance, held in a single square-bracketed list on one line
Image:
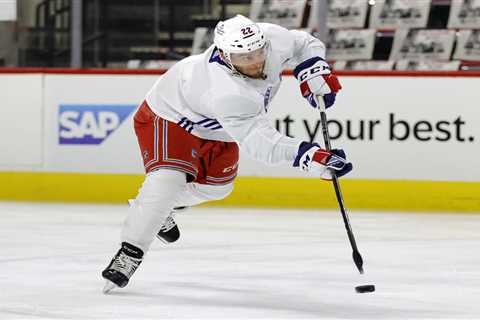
[(161, 186)]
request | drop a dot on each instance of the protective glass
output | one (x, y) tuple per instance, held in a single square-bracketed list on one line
[(245, 59)]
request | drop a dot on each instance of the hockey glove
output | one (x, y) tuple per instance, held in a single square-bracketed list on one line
[(311, 158), (316, 79)]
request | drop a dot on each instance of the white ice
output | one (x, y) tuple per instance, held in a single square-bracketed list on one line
[(240, 264)]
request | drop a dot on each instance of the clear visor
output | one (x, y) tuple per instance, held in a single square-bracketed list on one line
[(245, 59)]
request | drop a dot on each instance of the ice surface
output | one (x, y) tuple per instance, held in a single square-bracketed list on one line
[(240, 264)]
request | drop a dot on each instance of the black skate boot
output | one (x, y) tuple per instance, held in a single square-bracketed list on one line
[(169, 231), (122, 267)]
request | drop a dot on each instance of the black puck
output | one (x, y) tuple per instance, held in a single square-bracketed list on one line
[(365, 288)]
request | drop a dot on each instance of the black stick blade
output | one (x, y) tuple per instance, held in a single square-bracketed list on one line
[(357, 258), (365, 288)]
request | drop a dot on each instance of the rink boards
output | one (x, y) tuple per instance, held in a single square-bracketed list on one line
[(413, 140)]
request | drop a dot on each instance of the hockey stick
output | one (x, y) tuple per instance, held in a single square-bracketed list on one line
[(357, 258)]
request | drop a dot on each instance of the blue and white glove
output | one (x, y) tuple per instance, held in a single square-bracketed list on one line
[(311, 158), (316, 79)]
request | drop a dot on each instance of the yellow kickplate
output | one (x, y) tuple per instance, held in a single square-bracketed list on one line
[(267, 192)]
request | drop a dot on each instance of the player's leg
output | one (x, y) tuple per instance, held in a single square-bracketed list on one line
[(146, 213), (166, 150), (153, 204)]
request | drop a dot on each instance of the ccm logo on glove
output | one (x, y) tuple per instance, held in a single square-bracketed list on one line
[(313, 71)]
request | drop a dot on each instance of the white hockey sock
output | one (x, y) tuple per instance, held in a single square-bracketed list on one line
[(154, 201), (196, 193)]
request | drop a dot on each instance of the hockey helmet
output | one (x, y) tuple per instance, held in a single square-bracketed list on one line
[(240, 40)]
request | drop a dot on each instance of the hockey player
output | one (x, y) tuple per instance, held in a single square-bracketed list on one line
[(198, 114)]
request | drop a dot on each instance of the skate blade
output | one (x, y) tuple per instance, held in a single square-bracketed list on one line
[(109, 286)]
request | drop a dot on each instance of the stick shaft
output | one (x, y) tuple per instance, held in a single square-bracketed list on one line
[(357, 258)]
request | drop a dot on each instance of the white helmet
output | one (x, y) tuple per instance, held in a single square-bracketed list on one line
[(238, 35)]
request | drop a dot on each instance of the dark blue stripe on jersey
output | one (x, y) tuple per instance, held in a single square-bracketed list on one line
[(211, 124), (181, 121), (205, 120)]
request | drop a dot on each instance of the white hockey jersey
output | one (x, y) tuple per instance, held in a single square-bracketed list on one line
[(201, 94)]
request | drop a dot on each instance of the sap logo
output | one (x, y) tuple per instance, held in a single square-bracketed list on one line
[(90, 124)]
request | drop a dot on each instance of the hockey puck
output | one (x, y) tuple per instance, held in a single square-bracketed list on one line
[(365, 288)]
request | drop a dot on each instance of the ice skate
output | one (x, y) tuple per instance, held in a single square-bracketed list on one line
[(169, 231), (121, 268)]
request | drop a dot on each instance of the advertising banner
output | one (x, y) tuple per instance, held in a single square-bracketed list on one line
[(464, 14), (346, 13), (422, 44), (364, 65), (410, 128), (287, 13), (468, 45), (427, 65), (394, 14), (350, 44)]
